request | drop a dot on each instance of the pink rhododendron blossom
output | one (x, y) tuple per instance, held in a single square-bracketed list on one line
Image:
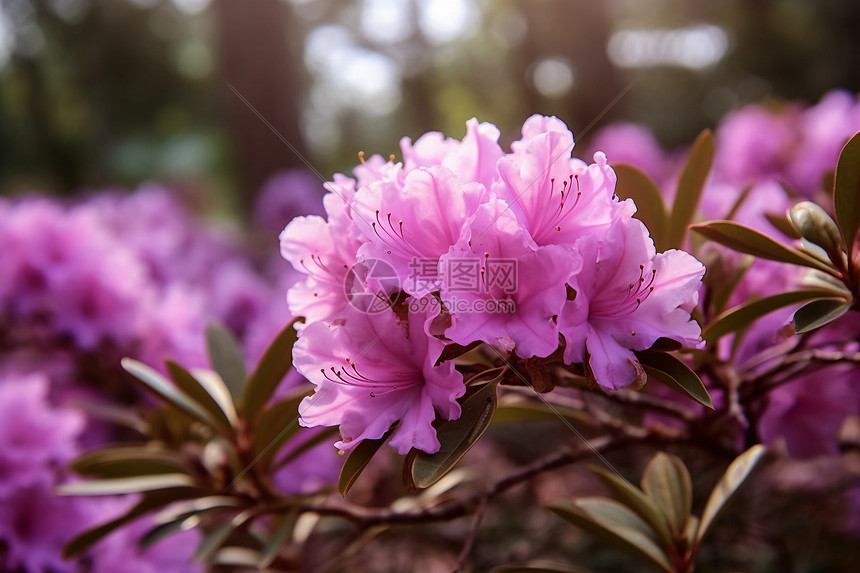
[(556, 198), (323, 250), (371, 370), (511, 249), (528, 323), (627, 297), (422, 219)]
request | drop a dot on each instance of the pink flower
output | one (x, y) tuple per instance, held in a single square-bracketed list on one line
[(419, 220), (372, 371), (627, 297), (473, 159), (556, 198), (323, 250), (515, 305)]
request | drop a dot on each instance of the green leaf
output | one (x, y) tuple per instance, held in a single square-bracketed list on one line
[(635, 184), (213, 540), (846, 193), (211, 395), (667, 482), (129, 461), (317, 437), (738, 318), (226, 358), (735, 475), (281, 532), (818, 313), (357, 460), (723, 293), (151, 501), (690, 186), (457, 436), (184, 516), (270, 371), (613, 523), (278, 423), (746, 240), (636, 500), (539, 566), (160, 386), (783, 224), (127, 485), (675, 374)]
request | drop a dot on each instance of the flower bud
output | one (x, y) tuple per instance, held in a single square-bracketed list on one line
[(816, 226)]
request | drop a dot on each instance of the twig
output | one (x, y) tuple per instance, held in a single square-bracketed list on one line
[(473, 534), (458, 507)]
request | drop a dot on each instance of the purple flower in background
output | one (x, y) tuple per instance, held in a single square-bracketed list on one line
[(807, 412), (35, 524), (823, 130), (634, 144), (287, 195), (371, 370), (755, 144), (37, 438)]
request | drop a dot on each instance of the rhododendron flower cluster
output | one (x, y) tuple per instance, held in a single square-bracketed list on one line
[(529, 251)]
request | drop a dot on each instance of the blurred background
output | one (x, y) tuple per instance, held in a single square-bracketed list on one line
[(189, 92)]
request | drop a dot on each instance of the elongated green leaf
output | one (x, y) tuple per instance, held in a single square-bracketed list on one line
[(783, 224), (690, 186), (667, 482), (167, 391), (278, 423), (723, 293), (209, 396), (213, 540), (818, 313), (270, 371), (151, 501), (281, 532), (316, 437), (457, 436), (675, 374), (185, 515), (735, 475), (129, 461), (746, 240), (635, 499), (613, 523), (738, 318), (846, 193), (635, 184), (126, 485), (226, 358), (357, 460), (539, 566)]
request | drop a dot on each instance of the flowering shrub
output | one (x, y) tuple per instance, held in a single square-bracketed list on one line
[(495, 317), (463, 221)]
